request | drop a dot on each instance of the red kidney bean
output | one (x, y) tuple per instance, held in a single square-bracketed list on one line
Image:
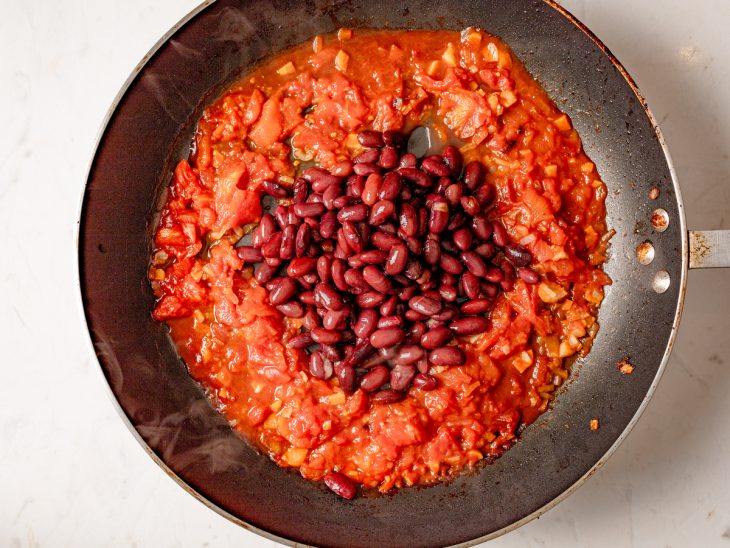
[(408, 160), (267, 226), (384, 241), (299, 266), (432, 250), (249, 254), (454, 193), (328, 225), (310, 279), (366, 323), (273, 261), (370, 139), (303, 340), (414, 245), (387, 396), (328, 297), (517, 255), (425, 305), (435, 167), (381, 212), (474, 263), (302, 241), (408, 219), (326, 336), (340, 485), (367, 157), (413, 316), (448, 293), (272, 245), (330, 352), (391, 336), (309, 209), (470, 325), (375, 378), (346, 376), (416, 176), (342, 168), (528, 275), (371, 256), (281, 214), (355, 279), (319, 175), (450, 264), (274, 189), (391, 186), (486, 250), (343, 244), (311, 319), (484, 194), (299, 192), (328, 198), (435, 337), (499, 235), (397, 259), (371, 188), (388, 157), (307, 297), (354, 213), (473, 174), (264, 273), (482, 228), (320, 366), (390, 321), (414, 269), (281, 290), (366, 168), (292, 309), (453, 160), (447, 355), (370, 299), (288, 241), (388, 308), (439, 219), (463, 238), (377, 279), (476, 306), (425, 382), (352, 236), (471, 205), (338, 274), (335, 319), (407, 355), (344, 201), (494, 274), (324, 268), (456, 220), (401, 376), (407, 292), (416, 331), (471, 285)]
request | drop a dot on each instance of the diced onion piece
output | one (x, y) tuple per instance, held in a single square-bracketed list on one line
[(317, 44), (493, 101), (294, 456), (433, 68), (491, 53), (341, 61), (276, 405), (287, 69), (523, 361), (508, 98), (471, 37), (344, 34), (504, 60), (271, 422), (587, 167), (449, 55), (551, 292), (551, 170), (562, 123), (566, 349), (338, 398)]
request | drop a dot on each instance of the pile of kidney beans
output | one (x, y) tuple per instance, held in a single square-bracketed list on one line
[(386, 259)]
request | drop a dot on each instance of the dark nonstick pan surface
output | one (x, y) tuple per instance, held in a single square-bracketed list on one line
[(150, 127)]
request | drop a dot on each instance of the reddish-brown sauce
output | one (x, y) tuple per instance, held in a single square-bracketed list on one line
[(306, 106)]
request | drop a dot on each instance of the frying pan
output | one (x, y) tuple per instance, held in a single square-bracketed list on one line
[(150, 126)]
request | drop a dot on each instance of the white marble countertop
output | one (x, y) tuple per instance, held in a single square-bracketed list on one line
[(70, 472)]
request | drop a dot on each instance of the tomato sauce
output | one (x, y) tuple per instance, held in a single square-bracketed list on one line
[(305, 106)]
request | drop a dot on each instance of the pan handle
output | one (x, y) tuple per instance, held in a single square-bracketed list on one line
[(709, 248)]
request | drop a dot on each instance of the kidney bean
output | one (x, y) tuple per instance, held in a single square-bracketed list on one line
[(371, 189), (390, 336), (311, 319), (299, 192), (328, 225), (450, 264), (302, 340), (471, 205), (408, 160), (299, 266), (407, 292), (375, 378), (408, 220), (330, 352), (281, 215), (272, 245), (390, 321), (328, 297), (473, 175), (281, 290), (371, 256), (366, 168), (338, 274), (425, 382), (456, 220), (353, 213), (343, 168), (401, 376), (326, 336), (391, 186), (384, 241), (307, 297), (416, 176), (439, 218), (352, 236), (273, 261), (453, 194), (324, 268), (463, 238), (425, 305), (309, 209), (346, 376), (387, 396), (434, 166), (319, 176), (267, 226), (517, 255), (370, 139), (355, 279), (447, 292), (292, 309), (486, 250), (367, 157), (370, 299), (344, 201), (274, 189), (264, 273), (328, 198), (335, 319), (528, 275), (447, 355), (408, 354), (494, 274), (474, 263), (499, 236), (453, 160), (470, 325), (377, 279), (476, 306), (435, 337), (249, 254), (484, 194), (381, 212), (389, 307), (320, 366), (471, 285), (482, 228), (397, 259), (288, 241), (340, 485), (366, 323), (416, 331), (388, 157), (489, 289)]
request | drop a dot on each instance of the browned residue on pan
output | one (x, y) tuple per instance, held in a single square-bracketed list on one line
[(625, 366)]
